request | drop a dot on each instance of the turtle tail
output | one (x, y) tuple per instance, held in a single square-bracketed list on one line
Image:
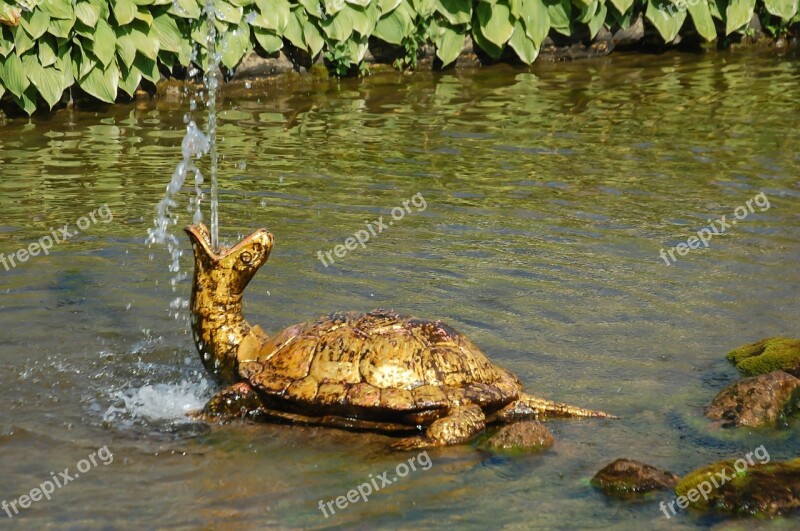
[(548, 408)]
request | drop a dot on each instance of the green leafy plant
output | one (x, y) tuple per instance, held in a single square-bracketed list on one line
[(109, 47)]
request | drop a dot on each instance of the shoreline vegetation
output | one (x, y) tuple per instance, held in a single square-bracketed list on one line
[(54, 52)]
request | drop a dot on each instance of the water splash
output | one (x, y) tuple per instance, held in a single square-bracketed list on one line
[(212, 84), (158, 402)]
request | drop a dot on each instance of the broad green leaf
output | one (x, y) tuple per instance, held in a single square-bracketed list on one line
[(61, 27), (105, 42), (587, 12), (274, 15), (235, 43), (48, 81), (522, 44), (312, 7), (58, 8), (701, 18), (228, 12), (186, 9), (455, 11), (6, 41), (145, 15), (166, 29), (785, 9), (268, 40), (145, 40), (718, 8), (560, 13), (333, 6), (48, 50), (12, 74), (27, 100), (35, 23), (362, 3), (147, 67), (598, 19), (622, 5), (387, 6), (392, 28), (130, 79), (449, 42), (423, 8), (363, 20), (491, 49), (124, 11), (102, 7), (536, 20), (338, 27), (495, 21), (294, 30), (126, 47), (101, 82), (313, 38), (87, 13), (738, 14), (22, 41), (668, 23)]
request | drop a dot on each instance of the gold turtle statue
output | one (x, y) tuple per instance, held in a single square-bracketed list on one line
[(377, 371)]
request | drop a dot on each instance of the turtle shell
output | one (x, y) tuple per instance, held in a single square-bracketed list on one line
[(376, 361)]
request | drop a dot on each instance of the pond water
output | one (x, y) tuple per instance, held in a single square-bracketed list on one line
[(548, 195)]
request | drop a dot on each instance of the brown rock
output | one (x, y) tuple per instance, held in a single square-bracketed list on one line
[(624, 477), (756, 401), (525, 435)]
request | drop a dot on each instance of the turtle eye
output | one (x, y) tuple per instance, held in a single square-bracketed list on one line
[(246, 257)]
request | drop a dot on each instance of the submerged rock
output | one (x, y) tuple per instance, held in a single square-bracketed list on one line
[(737, 487), (767, 355), (756, 401), (625, 477), (525, 435)]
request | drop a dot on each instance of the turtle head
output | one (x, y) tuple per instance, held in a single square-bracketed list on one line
[(230, 268), (220, 278)]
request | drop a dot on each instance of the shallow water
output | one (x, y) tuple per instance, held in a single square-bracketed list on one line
[(549, 195)]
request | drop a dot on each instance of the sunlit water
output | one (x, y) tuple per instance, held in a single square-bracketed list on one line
[(549, 195)]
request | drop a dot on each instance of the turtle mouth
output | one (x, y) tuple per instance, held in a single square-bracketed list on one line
[(202, 235)]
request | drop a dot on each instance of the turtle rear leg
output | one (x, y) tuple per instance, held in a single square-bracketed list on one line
[(531, 407), (459, 426), (236, 401)]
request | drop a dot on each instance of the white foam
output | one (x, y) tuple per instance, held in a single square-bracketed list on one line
[(159, 402)]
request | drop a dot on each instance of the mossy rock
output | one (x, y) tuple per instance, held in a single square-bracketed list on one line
[(527, 436), (625, 478), (767, 355), (737, 487)]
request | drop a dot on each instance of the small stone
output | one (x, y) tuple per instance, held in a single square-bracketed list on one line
[(524, 435), (625, 477), (757, 401)]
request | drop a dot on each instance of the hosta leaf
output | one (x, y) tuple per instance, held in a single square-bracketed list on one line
[(785, 9), (126, 47), (22, 41), (392, 28), (235, 43), (668, 23), (491, 49), (455, 11), (718, 8), (559, 12), (6, 41), (101, 82), (48, 81), (338, 27), (48, 50), (312, 7), (387, 6), (313, 38), (228, 12), (61, 27), (449, 42), (105, 42), (35, 23), (522, 44), (333, 6), (622, 5), (144, 15), (147, 67), (294, 30), (268, 40), (701, 18), (145, 40), (58, 8), (87, 13), (124, 11), (166, 29), (12, 73), (363, 20), (102, 7), (495, 21), (738, 14), (186, 9), (598, 19), (130, 79), (274, 15), (536, 20), (27, 100)]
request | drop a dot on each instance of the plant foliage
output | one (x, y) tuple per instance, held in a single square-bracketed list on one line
[(108, 46)]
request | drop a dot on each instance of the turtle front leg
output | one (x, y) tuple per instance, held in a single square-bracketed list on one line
[(531, 407), (236, 401), (459, 426)]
